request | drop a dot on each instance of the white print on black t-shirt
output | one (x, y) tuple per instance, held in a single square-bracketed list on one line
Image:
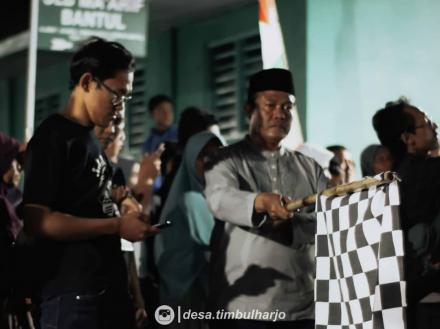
[(100, 169), (108, 206)]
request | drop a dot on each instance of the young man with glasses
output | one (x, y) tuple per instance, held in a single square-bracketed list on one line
[(67, 196), (411, 136), (117, 99)]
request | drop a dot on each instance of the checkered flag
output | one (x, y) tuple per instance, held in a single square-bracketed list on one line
[(359, 261)]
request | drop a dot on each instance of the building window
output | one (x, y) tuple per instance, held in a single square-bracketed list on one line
[(136, 116), (231, 64)]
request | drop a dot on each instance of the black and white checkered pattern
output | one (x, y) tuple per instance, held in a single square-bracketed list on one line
[(359, 261)]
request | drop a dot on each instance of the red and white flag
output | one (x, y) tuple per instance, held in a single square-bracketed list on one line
[(274, 56)]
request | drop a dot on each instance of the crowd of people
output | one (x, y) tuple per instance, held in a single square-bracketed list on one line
[(195, 224)]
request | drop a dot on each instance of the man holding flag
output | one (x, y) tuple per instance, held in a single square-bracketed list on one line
[(262, 255)]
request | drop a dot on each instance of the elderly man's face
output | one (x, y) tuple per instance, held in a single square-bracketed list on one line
[(272, 116)]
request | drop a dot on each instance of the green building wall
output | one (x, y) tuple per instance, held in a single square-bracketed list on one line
[(361, 54), (176, 65), (348, 58)]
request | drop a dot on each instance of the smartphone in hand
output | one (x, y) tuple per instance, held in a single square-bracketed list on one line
[(164, 224)]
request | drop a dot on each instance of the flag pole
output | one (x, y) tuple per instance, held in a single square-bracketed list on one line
[(365, 183), (31, 71)]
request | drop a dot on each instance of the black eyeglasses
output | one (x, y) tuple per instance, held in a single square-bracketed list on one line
[(117, 100), (428, 123)]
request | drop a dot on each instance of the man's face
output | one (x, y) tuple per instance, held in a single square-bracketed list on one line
[(163, 115), (106, 99), (347, 166), (114, 148), (424, 139), (106, 135), (12, 176), (383, 161), (272, 117)]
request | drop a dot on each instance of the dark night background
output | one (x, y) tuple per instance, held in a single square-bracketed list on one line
[(15, 17)]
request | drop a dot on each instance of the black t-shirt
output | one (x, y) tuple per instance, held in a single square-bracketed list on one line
[(420, 190), (67, 171)]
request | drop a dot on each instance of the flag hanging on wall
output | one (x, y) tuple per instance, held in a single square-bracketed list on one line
[(359, 261), (274, 56)]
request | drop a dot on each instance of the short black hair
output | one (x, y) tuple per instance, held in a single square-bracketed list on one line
[(335, 148), (334, 166), (192, 121), (156, 100), (101, 58), (270, 79), (391, 122), (211, 119)]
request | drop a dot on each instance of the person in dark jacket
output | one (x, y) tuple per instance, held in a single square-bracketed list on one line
[(411, 136)]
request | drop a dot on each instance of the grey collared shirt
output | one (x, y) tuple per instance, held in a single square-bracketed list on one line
[(255, 266)]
